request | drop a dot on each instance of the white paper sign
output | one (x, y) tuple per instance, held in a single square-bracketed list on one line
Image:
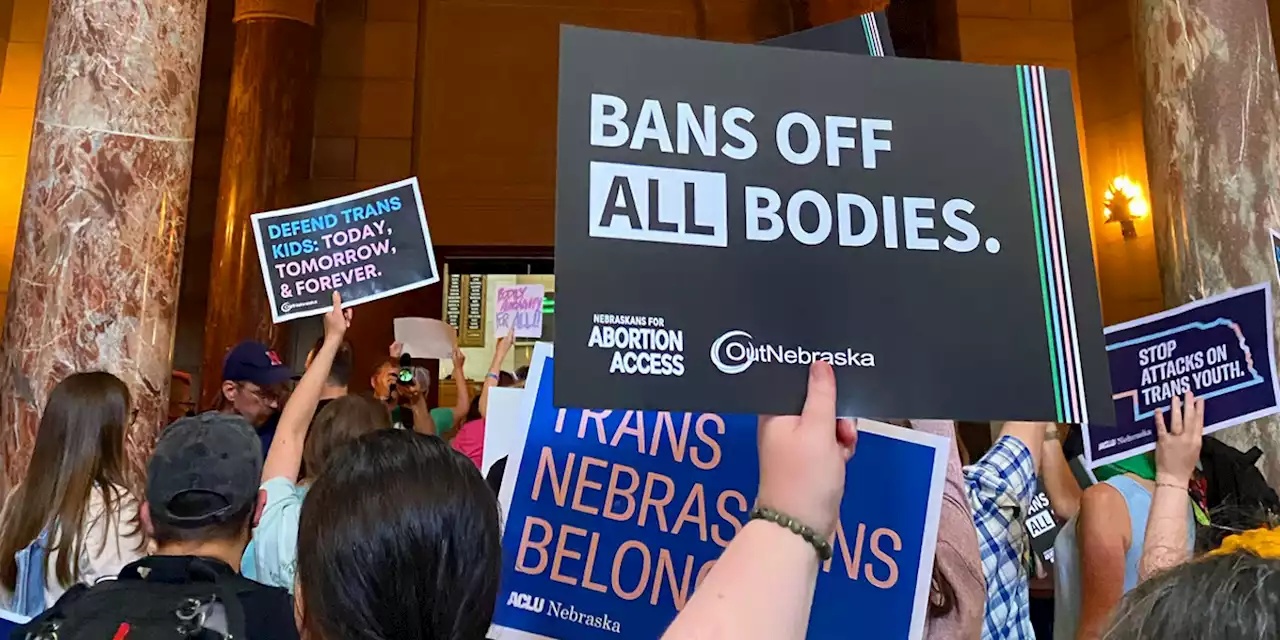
[(519, 306), (502, 428), (425, 337)]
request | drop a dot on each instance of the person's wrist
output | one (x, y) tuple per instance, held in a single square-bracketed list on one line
[(1172, 479), (817, 541), (782, 541)]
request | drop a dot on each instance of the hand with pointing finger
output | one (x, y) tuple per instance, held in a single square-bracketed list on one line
[(803, 458), (337, 321), (1178, 440)]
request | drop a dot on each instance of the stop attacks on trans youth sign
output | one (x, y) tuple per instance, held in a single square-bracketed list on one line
[(365, 246), (1219, 348)]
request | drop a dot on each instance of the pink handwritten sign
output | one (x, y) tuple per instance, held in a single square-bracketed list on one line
[(519, 306)]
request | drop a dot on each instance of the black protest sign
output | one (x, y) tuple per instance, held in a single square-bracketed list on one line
[(726, 214), (1041, 525), (366, 246), (867, 34)]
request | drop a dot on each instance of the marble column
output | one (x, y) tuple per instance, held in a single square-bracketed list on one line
[(266, 160), (98, 253), (1211, 118)]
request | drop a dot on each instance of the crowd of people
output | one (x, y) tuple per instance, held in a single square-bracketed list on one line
[(295, 509)]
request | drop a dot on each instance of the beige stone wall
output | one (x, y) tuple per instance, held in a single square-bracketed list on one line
[(20, 56), (364, 95), (1012, 32), (1111, 95), (1090, 38), (487, 88)]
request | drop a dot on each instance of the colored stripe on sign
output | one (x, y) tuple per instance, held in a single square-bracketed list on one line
[(874, 45), (1051, 246)]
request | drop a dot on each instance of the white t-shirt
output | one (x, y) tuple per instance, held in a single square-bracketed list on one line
[(111, 541)]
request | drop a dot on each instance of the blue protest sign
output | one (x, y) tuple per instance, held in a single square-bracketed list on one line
[(10, 621), (1219, 348), (614, 517)]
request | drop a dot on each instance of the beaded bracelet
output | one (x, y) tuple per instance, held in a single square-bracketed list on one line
[(820, 544)]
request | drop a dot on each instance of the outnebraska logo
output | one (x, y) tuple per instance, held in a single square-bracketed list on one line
[(526, 602), (286, 307), (735, 352)]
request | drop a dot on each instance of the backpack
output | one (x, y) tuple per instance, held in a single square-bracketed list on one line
[(206, 607), (1237, 494)]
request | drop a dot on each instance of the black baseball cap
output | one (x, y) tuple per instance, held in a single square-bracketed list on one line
[(205, 469), (255, 362)]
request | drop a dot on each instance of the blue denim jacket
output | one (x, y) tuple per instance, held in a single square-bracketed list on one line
[(28, 595)]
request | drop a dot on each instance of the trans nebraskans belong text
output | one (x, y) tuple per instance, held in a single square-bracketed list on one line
[(653, 535)]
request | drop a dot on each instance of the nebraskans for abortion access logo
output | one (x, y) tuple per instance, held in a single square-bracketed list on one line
[(735, 352), (641, 345)]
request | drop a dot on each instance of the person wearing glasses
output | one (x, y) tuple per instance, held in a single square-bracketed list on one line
[(254, 385)]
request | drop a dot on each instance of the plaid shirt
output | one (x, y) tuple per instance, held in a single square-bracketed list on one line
[(1000, 488)]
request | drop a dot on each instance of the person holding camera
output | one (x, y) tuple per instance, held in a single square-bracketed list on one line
[(403, 387)]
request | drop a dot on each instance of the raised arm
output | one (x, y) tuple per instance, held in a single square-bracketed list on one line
[(463, 405), (1177, 451), (495, 368), (285, 457), (1031, 434), (1064, 492), (762, 586), (422, 421)]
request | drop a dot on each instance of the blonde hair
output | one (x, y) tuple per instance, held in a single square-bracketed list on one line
[(1263, 542)]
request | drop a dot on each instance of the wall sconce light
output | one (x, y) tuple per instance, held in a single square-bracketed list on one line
[(1125, 203)]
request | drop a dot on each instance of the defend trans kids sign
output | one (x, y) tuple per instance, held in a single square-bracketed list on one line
[(919, 224), (1219, 348), (366, 246), (615, 517)]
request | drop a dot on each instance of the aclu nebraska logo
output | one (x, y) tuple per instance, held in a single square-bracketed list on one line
[(735, 352), (654, 204), (526, 602)]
